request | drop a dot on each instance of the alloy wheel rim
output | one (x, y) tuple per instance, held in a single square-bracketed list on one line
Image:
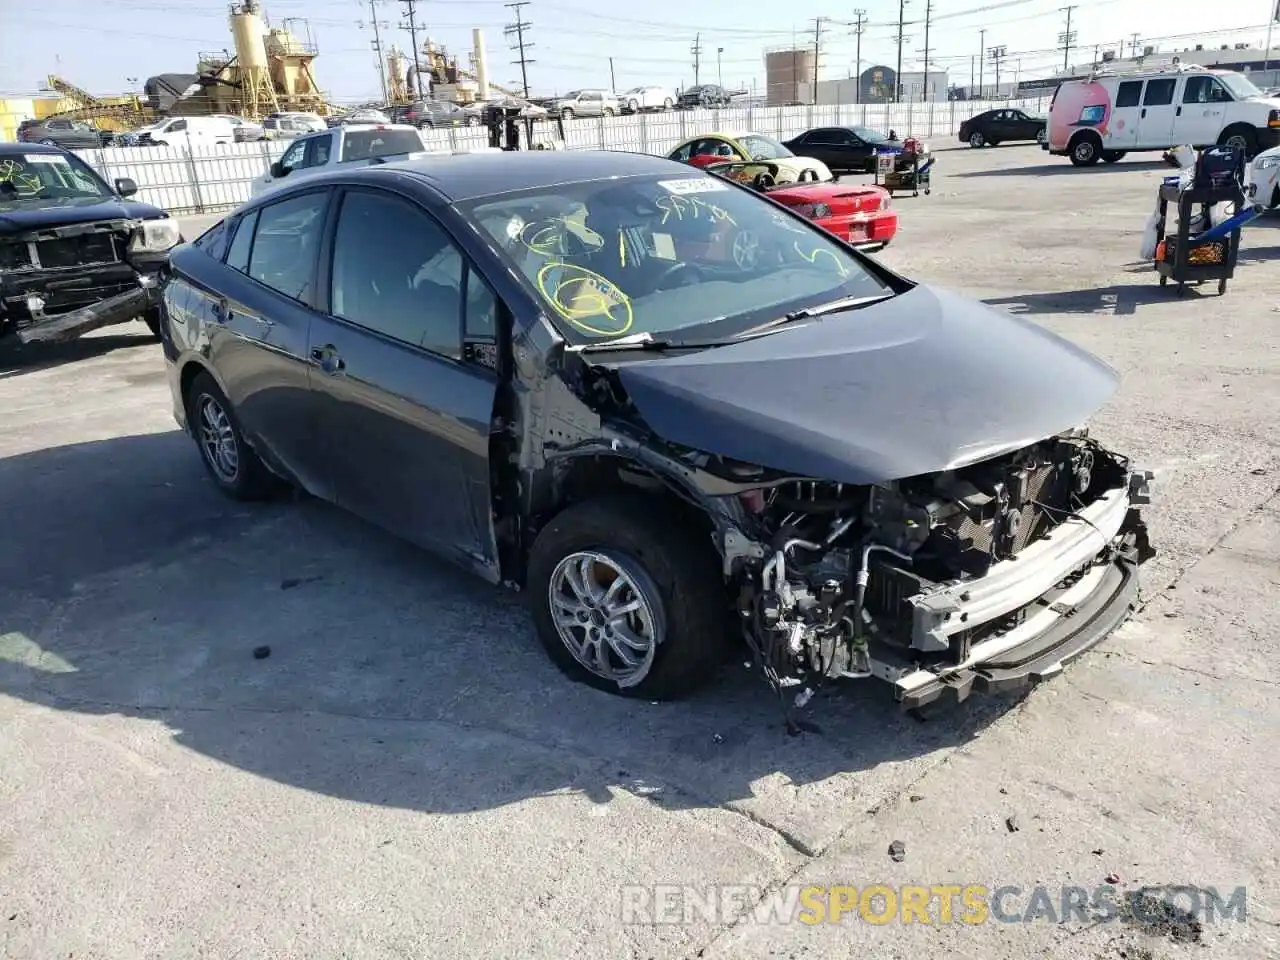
[(218, 439), (608, 614), (1238, 142), (975, 140), (1084, 151)]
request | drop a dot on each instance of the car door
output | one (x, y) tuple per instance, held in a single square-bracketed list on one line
[(406, 414), (1126, 115), (259, 323), (1155, 126), (819, 144), (591, 103), (1201, 112), (1026, 126)]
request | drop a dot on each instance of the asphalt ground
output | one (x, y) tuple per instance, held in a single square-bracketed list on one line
[(406, 775)]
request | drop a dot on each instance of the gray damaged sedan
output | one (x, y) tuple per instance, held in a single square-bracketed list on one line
[(674, 413)]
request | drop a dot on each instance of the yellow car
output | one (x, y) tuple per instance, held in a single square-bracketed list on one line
[(708, 148)]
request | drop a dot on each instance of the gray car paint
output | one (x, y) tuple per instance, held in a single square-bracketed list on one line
[(925, 381)]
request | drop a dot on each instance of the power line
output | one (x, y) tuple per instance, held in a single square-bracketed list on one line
[(1067, 38), (517, 30), (411, 12)]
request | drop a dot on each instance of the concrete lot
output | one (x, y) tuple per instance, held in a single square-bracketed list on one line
[(407, 776)]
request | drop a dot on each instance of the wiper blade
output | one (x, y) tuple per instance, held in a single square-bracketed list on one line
[(834, 306)]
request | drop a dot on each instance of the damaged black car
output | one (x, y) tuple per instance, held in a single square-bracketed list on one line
[(75, 254), (674, 413)]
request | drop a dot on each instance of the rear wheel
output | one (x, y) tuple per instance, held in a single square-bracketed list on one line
[(1041, 135), (628, 599), (1086, 150), (231, 462), (976, 139)]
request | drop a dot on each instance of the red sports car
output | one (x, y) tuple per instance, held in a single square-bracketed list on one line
[(859, 214)]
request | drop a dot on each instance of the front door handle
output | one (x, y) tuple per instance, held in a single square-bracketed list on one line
[(1144, 112), (327, 359), (1178, 112)]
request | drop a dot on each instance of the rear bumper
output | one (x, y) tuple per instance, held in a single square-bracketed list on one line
[(866, 231)]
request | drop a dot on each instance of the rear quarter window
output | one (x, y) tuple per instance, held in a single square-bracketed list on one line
[(1129, 93)]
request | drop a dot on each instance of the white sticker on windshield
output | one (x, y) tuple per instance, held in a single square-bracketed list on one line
[(690, 185), (45, 158)]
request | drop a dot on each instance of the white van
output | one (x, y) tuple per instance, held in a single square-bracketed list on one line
[(193, 131), (1104, 116)]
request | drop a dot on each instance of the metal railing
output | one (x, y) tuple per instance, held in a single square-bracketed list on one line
[(209, 179)]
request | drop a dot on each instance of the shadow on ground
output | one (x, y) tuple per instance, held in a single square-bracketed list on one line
[(130, 586), (1066, 169), (1120, 300), (17, 359)]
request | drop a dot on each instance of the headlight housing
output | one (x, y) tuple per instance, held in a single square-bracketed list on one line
[(1266, 163), (155, 236)]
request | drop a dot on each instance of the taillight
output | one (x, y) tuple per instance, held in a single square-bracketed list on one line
[(1273, 119), (814, 211)]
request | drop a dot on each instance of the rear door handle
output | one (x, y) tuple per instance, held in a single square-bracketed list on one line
[(220, 311), (327, 359)]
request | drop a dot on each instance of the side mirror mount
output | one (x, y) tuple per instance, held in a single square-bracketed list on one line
[(126, 187), (278, 169)]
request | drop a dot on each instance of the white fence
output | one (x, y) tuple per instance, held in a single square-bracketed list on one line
[(209, 179)]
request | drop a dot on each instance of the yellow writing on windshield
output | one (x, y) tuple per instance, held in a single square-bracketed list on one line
[(819, 252), (693, 208), (580, 295)]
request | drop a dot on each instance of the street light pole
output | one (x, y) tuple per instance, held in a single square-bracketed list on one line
[(719, 72)]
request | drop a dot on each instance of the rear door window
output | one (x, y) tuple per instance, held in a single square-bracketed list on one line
[(242, 243), (370, 144), (1129, 94), (286, 242), (1159, 92)]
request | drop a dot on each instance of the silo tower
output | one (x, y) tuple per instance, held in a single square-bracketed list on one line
[(256, 89)]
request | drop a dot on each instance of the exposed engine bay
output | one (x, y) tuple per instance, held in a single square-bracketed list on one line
[(891, 579)]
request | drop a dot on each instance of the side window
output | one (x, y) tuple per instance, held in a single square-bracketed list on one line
[(177, 126), (1218, 93), (1159, 92), (292, 158), (828, 137), (286, 243), (214, 240), (395, 271), (242, 242), (593, 96), (1129, 94), (59, 124), (683, 153), (318, 151)]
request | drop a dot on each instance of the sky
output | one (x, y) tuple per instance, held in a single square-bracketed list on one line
[(112, 46)]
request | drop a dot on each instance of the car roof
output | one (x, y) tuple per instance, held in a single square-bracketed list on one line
[(11, 148), (472, 175)]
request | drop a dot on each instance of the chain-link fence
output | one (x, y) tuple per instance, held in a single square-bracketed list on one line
[(199, 179)]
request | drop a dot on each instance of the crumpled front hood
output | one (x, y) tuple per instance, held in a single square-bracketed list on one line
[(924, 382), (32, 215)]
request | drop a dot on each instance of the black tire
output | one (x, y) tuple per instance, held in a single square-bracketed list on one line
[(1246, 138), (566, 113), (251, 480), (1042, 135), (1085, 150), (677, 564), (609, 111), (667, 104), (1112, 156), (977, 140)]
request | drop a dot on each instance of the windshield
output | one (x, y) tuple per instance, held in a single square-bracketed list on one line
[(687, 258), (370, 144), (1241, 87), (27, 178), (760, 147), (867, 135)]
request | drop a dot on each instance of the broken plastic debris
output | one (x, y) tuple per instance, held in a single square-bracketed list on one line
[(1113, 878), (1011, 823), (898, 851), (803, 697)]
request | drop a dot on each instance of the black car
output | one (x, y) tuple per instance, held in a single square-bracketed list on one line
[(843, 149), (1006, 125), (75, 254), (435, 113), (68, 134), (670, 411), (705, 96)]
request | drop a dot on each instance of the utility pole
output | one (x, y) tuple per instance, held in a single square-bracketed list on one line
[(859, 24), (982, 62), (1067, 38), (997, 54), (928, 13), (696, 50), (1133, 46), (410, 7), (817, 54), (613, 84), (377, 49), (719, 70), (517, 30), (897, 77)]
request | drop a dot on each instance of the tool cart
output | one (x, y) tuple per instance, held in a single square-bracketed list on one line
[(1196, 253), (906, 170)]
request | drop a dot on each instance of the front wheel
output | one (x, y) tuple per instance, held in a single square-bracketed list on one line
[(627, 599), (566, 113), (1042, 135), (1085, 152), (1244, 139), (231, 462), (634, 106), (608, 111)]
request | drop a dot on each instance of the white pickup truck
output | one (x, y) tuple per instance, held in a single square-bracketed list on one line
[(351, 144)]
